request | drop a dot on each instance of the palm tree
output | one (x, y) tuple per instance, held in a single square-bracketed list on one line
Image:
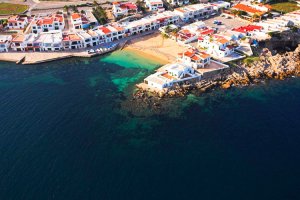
[(175, 32), (234, 12), (163, 37), (256, 16), (168, 29), (66, 8), (95, 3)]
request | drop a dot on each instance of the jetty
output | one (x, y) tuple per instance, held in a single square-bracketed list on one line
[(29, 58)]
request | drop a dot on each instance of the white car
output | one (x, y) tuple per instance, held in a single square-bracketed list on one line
[(91, 51)]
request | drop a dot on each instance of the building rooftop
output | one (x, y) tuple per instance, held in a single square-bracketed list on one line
[(249, 28), (48, 19), (104, 30), (71, 37), (5, 38), (19, 38), (76, 16), (247, 8)]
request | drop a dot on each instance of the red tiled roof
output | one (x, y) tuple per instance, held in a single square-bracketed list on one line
[(180, 10), (71, 37), (119, 28), (249, 28), (246, 8), (76, 16), (166, 75), (153, 3), (267, 6), (13, 18), (195, 58), (58, 18), (207, 32), (189, 54), (222, 40), (105, 30), (48, 21), (18, 38), (204, 55), (129, 5)]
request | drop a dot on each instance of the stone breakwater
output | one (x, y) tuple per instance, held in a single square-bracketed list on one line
[(266, 66)]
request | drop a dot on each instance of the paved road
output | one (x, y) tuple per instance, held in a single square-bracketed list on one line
[(68, 24)]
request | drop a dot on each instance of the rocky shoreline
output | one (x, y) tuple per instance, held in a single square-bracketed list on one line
[(265, 67)]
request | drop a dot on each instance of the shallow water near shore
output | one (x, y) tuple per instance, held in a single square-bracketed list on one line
[(65, 135)]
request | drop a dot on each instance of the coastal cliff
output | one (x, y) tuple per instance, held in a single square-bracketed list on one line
[(267, 66)]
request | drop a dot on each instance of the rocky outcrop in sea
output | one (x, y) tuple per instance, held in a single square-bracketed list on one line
[(267, 66)]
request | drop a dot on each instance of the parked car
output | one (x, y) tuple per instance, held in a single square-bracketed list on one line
[(91, 51)]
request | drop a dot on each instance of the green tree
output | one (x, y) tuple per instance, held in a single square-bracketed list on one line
[(163, 37), (66, 8), (175, 32), (256, 16), (168, 29), (141, 6), (100, 14)]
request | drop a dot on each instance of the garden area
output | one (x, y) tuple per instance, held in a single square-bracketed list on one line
[(285, 7), (9, 8)]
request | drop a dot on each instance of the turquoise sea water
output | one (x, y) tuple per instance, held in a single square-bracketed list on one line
[(65, 134)]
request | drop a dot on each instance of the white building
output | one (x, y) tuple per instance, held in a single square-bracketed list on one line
[(45, 23), (72, 41), (216, 45), (151, 22), (51, 41), (194, 58), (173, 73), (124, 8), (85, 38), (17, 22), (220, 5), (191, 32), (95, 37), (194, 11), (46, 41), (272, 26), (178, 2), (155, 5), (83, 20), (5, 41), (17, 43), (76, 20)]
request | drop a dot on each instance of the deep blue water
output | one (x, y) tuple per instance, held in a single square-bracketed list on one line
[(65, 135)]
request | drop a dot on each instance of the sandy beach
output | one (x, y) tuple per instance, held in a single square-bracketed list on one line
[(154, 47)]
